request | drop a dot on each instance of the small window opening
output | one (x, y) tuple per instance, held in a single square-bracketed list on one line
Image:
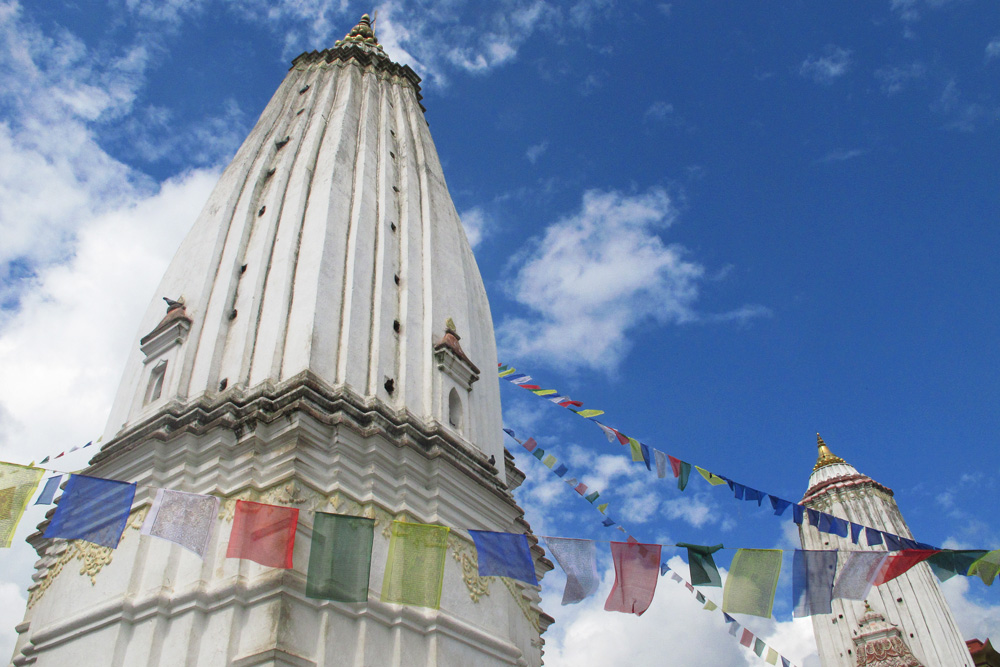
[(243, 269), (395, 326), (303, 89), (223, 384), (282, 142), (392, 226), (455, 410), (390, 385), (232, 314), (395, 278), (155, 387), (261, 211)]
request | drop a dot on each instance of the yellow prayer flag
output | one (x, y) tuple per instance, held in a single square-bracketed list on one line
[(414, 569), (710, 477), (752, 581), (710, 606), (549, 461), (589, 413), (772, 656), (17, 485), (636, 449)]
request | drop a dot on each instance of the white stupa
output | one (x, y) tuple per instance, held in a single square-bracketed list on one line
[(911, 607), (309, 356)]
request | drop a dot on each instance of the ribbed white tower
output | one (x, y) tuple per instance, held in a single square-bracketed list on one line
[(913, 602), (309, 355)]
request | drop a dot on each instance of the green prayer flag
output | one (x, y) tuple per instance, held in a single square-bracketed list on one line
[(682, 479), (710, 477), (414, 569), (703, 569), (758, 645), (752, 581), (987, 567), (17, 485), (340, 557)]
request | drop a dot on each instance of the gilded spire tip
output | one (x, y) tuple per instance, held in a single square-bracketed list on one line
[(362, 33), (826, 457)]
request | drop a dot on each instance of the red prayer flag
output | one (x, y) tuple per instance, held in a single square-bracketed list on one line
[(530, 444), (637, 567), (901, 561), (578, 404), (747, 638), (675, 465), (263, 533), (581, 488)]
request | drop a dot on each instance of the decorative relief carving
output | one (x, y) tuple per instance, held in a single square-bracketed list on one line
[(529, 613), (469, 562), (92, 556)]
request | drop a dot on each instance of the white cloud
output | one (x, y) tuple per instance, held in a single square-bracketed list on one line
[(536, 151), (893, 79), (842, 155), (960, 114), (993, 49), (658, 110), (833, 64), (476, 224), (596, 275)]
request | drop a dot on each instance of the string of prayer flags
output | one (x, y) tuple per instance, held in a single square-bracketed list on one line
[(183, 518), (858, 574), (752, 582), (779, 505), (17, 485), (92, 509), (813, 573), (263, 533), (414, 570), (578, 559), (49, 490), (340, 557), (987, 567), (704, 571), (504, 555), (901, 562), (948, 563), (637, 568), (734, 627)]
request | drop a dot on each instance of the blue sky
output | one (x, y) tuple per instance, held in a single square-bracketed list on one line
[(729, 226)]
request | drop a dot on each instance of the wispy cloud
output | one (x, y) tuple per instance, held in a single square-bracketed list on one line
[(658, 110), (536, 151), (476, 224), (993, 49), (594, 276), (842, 155), (828, 67), (895, 78), (960, 114)]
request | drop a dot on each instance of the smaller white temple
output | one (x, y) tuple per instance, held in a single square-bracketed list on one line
[(910, 606)]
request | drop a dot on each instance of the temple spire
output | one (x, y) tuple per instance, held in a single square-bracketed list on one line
[(362, 33), (826, 457)]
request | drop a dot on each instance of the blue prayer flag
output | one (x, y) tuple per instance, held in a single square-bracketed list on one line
[(49, 491), (812, 582), (873, 536), (504, 555), (779, 504), (607, 523), (856, 532), (664, 568), (738, 489), (814, 516), (646, 458), (784, 662), (892, 542), (561, 470), (839, 527), (797, 513), (908, 543), (753, 494), (92, 509)]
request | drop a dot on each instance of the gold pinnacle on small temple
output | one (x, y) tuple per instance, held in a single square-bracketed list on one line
[(363, 32), (826, 457)]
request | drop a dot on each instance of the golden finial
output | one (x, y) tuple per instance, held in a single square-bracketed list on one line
[(362, 33), (826, 457)]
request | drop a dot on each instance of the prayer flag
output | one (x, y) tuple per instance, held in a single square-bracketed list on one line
[(183, 518), (539, 453), (812, 582), (607, 523), (608, 432), (664, 568), (734, 627), (987, 567), (92, 509), (873, 537), (747, 638), (710, 477), (580, 488), (636, 569), (676, 577), (856, 533), (45, 460), (857, 574), (17, 485), (739, 490), (661, 463), (710, 606), (504, 555), (588, 414), (549, 461), (636, 448), (699, 597), (681, 470), (340, 557), (753, 494), (779, 504), (892, 542), (752, 580), (814, 516), (797, 513), (578, 559), (758, 646), (646, 458), (908, 543), (704, 572), (591, 497), (899, 563), (785, 662), (530, 444), (263, 533), (603, 507), (561, 470), (948, 563), (49, 490), (772, 656), (414, 569)]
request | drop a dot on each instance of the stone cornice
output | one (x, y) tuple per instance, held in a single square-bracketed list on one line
[(365, 57), (843, 482)]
